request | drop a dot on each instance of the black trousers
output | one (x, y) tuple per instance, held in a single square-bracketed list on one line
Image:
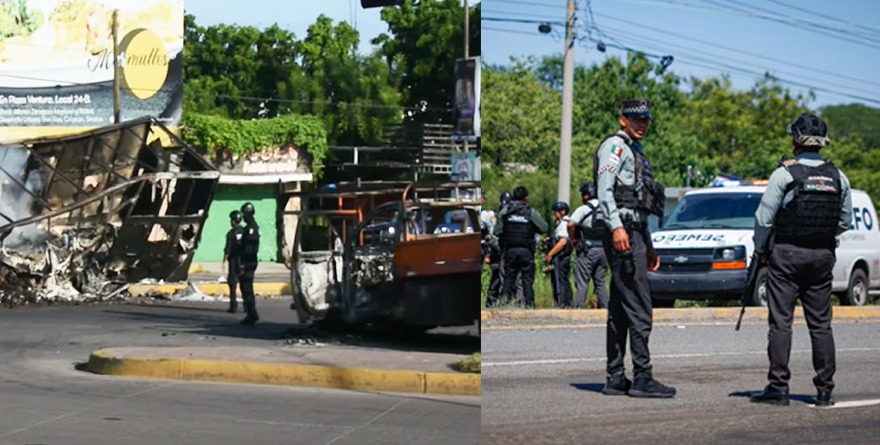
[(232, 282), (494, 280), (246, 280), (629, 308), (519, 261), (560, 280), (797, 272), (590, 263)]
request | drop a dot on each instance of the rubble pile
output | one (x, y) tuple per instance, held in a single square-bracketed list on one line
[(59, 269), (81, 216)]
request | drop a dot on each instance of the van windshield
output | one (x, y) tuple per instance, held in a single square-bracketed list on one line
[(722, 210)]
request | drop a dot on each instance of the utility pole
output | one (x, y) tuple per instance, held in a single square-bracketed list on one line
[(115, 32), (467, 19), (564, 187)]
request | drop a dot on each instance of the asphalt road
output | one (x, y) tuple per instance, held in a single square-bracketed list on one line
[(542, 385), (44, 399)]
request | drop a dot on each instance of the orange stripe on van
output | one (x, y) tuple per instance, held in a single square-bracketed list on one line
[(725, 265)]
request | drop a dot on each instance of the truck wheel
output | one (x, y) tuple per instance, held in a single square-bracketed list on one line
[(759, 296), (857, 292)]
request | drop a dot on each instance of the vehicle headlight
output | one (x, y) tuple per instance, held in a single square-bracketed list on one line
[(730, 253)]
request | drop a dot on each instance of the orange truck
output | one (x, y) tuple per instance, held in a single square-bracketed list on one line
[(388, 253)]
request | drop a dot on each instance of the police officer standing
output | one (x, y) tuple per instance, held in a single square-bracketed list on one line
[(515, 228), (807, 203), (627, 195), (590, 263), (232, 257), (559, 256), (250, 245)]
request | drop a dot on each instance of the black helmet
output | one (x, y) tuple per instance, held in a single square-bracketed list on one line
[(587, 188), (235, 216), (808, 130), (505, 198), (247, 210), (559, 206)]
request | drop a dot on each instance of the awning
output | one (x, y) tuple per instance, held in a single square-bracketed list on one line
[(265, 179)]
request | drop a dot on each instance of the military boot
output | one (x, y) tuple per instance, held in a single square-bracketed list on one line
[(771, 396), (617, 385), (646, 386)]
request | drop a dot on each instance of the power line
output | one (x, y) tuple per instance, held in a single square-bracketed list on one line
[(542, 5), (506, 20), (710, 64), (742, 52)]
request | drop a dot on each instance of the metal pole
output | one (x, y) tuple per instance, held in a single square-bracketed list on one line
[(115, 67), (567, 98), (467, 14)]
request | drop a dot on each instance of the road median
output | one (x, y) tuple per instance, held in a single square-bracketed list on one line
[(661, 315), (213, 289), (340, 369)]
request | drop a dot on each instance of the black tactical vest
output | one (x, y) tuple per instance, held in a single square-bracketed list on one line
[(595, 231), (519, 231), (250, 245), (811, 218), (645, 194)]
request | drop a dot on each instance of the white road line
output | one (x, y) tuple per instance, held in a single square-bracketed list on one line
[(851, 404), (711, 354)]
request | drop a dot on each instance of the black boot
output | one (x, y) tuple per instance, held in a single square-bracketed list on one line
[(617, 385), (649, 388), (233, 306), (772, 396), (824, 398)]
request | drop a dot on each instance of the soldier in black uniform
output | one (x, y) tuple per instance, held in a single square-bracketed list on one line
[(232, 257), (515, 229), (250, 245), (627, 195), (807, 203)]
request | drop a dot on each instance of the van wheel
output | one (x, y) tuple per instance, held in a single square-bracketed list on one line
[(760, 295), (857, 292)]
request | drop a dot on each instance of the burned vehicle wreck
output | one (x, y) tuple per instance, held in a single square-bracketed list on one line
[(391, 254), (81, 216)]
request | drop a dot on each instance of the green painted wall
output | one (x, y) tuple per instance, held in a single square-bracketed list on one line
[(229, 198)]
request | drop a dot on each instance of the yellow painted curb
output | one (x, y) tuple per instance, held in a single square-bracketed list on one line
[(210, 289), (288, 374), (665, 314)]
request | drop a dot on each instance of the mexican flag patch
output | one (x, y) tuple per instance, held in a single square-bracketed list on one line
[(616, 151)]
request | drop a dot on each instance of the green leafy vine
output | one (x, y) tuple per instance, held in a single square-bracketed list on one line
[(242, 137)]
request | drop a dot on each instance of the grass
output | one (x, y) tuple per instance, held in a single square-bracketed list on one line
[(468, 364)]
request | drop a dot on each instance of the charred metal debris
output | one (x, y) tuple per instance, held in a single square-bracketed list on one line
[(82, 216)]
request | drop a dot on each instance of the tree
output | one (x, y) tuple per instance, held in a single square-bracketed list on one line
[(520, 118), (425, 40)]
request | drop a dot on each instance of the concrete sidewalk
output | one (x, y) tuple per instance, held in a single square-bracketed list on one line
[(325, 367), (272, 280)]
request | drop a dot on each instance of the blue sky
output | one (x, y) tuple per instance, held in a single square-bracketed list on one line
[(743, 38), (293, 15)]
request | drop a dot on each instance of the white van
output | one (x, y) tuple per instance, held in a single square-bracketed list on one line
[(706, 244)]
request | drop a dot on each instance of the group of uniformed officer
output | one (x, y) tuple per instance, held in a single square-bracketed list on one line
[(571, 233), (240, 258), (806, 205)]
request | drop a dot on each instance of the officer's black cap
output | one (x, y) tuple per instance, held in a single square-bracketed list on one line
[(636, 108)]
